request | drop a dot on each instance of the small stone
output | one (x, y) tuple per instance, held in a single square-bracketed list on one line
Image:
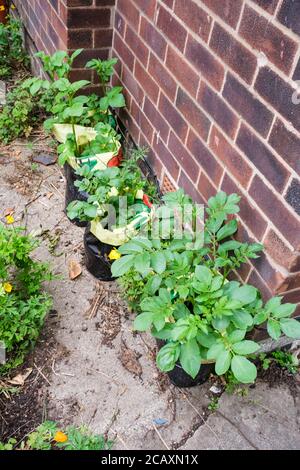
[(45, 158), (84, 327)]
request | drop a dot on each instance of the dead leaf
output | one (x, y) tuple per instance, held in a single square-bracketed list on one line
[(9, 211), (49, 195), (74, 269), (20, 378), (130, 360)]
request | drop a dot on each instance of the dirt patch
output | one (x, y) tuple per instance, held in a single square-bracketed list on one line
[(130, 360), (275, 376), (25, 181), (111, 311), (22, 411)]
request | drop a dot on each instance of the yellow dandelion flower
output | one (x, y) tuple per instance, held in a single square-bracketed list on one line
[(9, 219), (7, 287), (114, 254), (60, 437), (2, 7)]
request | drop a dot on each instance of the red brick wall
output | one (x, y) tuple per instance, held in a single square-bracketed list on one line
[(69, 25), (209, 88)]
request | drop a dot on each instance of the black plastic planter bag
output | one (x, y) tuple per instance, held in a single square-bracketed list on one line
[(96, 256), (73, 193), (181, 379)]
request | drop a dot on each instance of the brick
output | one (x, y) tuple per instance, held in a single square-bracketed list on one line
[(147, 6), (79, 3), (256, 281), (131, 13), (289, 15), (271, 205), (103, 37), (169, 3), (105, 3), (194, 17), (120, 24), (131, 85), (248, 213), (296, 75), (205, 187), (293, 297), (262, 158), (293, 195), (89, 54), (156, 119), (280, 252), (290, 283), (136, 45), (205, 62), (88, 18), (287, 144), (124, 52), (153, 38), (268, 5), (270, 275), (218, 109), (142, 122), (162, 77), (173, 117), (205, 158), (182, 71), (167, 158), (233, 161), (80, 74), (145, 81), (229, 11), (183, 157), (279, 94), (80, 38), (233, 53), (185, 183), (264, 36), (171, 28), (247, 106), (193, 114)]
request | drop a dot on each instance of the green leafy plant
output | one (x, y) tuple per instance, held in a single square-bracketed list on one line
[(214, 404), (23, 304), (283, 359), (12, 55), (202, 316), (48, 436), (109, 186)]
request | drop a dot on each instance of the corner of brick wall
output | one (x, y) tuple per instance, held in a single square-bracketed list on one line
[(69, 25), (209, 90)]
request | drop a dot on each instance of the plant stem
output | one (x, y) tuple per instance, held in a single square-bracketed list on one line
[(74, 134)]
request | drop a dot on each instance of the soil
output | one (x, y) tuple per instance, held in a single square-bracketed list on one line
[(276, 376), (23, 411)]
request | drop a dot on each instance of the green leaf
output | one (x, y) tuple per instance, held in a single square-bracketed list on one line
[(143, 322), (142, 262), (229, 229), (290, 327), (284, 310), (153, 284), (243, 370), (220, 324), (274, 329), (190, 358), (245, 347), (260, 317), (236, 336), (168, 356), (158, 262), (223, 362), (203, 274), (90, 211), (215, 350), (245, 294), (131, 247), (122, 265), (206, 340), (242, 319)]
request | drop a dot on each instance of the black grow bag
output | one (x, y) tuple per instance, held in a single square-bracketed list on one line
[(73, 193), (181, 379), (96, 256)]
